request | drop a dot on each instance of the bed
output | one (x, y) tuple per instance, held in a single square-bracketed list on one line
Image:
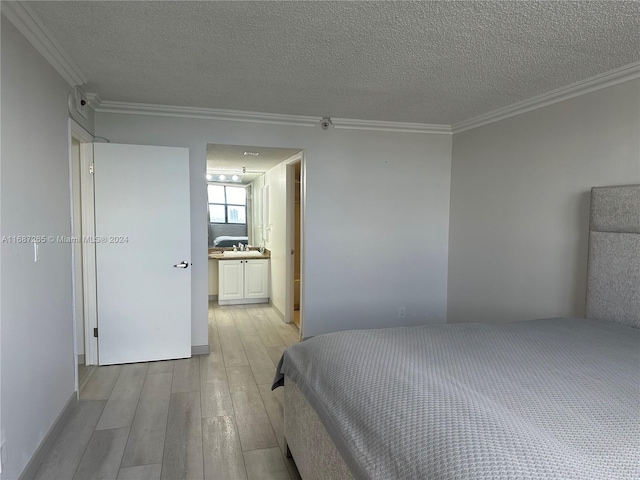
[(539, 399), (229, 241)]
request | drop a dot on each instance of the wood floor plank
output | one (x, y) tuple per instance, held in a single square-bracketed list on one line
[(290, 334), (241, 379), (101, 382), (274, 405), (232, 349), (65, 454), (267, 332), (164, 366), (212, 367), (183, 457), (141, 472), (101, 459), (146, 439), (122, 403), (224, 459), (224, 318), (214, 338), (254, 427), (243, 323), (216, 398), (259, 359), (272, 316), (186, 375), (266, 464), (276, 353)]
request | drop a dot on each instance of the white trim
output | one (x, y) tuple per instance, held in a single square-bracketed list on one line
[(88, 255), (28, 23), (290, 233), (597, 82), (80, 132), (128, 108), (402, 127), (94, 100)]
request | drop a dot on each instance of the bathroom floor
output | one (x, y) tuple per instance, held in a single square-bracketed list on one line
[(208, 417)]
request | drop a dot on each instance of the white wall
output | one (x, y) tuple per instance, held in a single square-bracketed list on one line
[(356, 275), (37, 327), (520, 204)]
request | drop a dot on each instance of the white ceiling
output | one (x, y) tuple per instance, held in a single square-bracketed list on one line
[(427, 62)]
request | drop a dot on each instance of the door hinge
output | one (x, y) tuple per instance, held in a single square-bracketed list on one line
[(95, 332), (91, 168)]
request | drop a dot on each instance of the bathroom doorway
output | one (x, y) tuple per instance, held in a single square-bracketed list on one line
[(297, 231)]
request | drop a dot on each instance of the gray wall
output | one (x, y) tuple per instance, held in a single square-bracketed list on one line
[(356, 276), (520, 204), (37, 327)]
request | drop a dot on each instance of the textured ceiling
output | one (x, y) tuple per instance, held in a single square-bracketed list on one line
[(428, 62)]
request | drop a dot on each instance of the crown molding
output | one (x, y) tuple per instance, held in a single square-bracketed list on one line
[(94, 100), (597, 82), (403, 127), (28, 23), (128, 108)]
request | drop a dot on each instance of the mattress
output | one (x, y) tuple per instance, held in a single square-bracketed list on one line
[(540, 399)]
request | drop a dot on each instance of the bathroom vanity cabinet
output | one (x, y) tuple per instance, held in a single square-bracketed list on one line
[(243, 281)]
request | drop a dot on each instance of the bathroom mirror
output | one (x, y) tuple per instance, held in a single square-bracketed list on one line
[(231, 168)]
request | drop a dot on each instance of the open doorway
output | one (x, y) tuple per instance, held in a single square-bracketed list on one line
[(295, 179), (263, 219), (80, 160)]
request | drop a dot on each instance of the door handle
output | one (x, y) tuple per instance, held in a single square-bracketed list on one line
[(182, 264)]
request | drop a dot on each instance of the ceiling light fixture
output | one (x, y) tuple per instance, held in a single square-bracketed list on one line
[(209, 176), (235, 178), (251, 154), (222, 177)]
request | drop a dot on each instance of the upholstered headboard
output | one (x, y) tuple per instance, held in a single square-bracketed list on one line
[(613, 278)]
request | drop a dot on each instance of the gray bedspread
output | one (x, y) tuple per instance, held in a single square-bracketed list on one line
[(541, 399)]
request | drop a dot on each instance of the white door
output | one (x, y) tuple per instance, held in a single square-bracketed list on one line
[(230, 280), (256, 278), (143, 250)]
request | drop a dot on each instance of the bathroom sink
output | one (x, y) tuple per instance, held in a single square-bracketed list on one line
[(250, 253)]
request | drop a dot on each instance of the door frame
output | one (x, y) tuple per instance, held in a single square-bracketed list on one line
[(84, 198), (290, 235)]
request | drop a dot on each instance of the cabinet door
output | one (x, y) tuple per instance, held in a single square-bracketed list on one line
[(256, 279), (230, 280)]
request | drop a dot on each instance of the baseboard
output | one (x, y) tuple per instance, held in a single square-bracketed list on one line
[(47, 442), (244, 301), (81, 359), (200, 350), (213, 297)]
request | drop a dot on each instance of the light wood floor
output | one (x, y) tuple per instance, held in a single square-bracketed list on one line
[(209, 417)]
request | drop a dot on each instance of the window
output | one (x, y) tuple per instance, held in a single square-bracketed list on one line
[(227, 204)]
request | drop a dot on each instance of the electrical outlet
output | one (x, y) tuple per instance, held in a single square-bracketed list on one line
[(401, 312)]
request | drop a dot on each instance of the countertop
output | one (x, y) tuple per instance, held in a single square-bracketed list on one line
[(217, 254)]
